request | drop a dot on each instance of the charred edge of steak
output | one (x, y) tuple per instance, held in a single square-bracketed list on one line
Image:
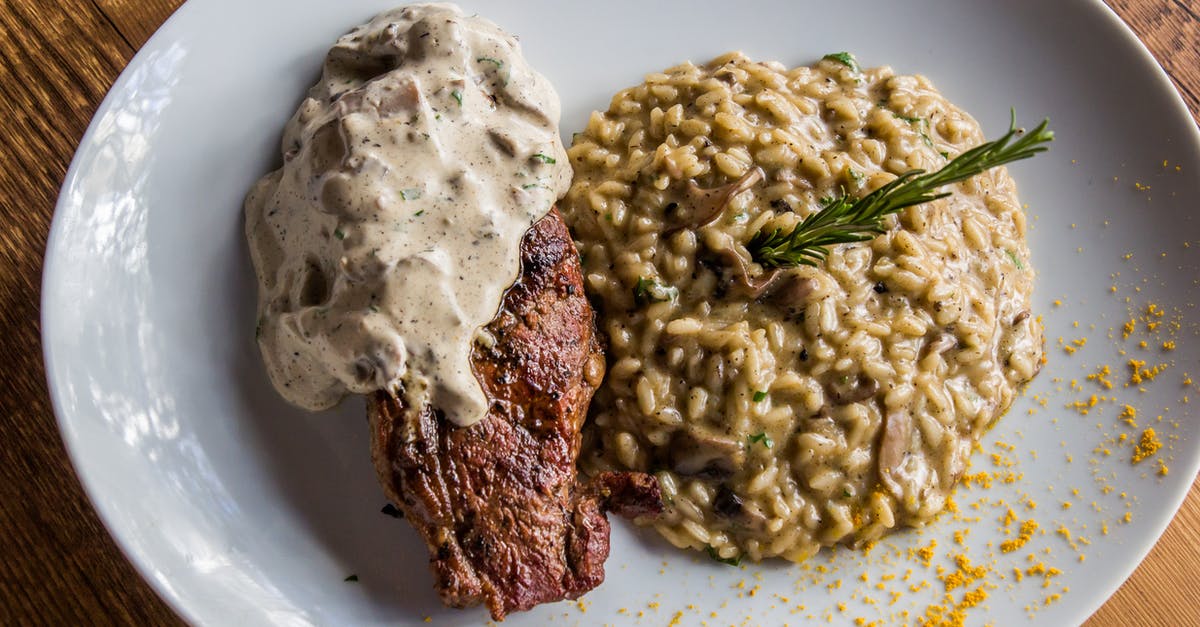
[(499, 504)]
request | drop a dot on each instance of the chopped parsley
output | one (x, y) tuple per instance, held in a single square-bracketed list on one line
[(339, 233), (533, 185), (857, 177), (760, 396), (716, 557), (920, 124), (762, 438), (419, 213), (544, 158), (499, 64), (845, 58), (651, 291), (457, 96), (351, 578), (411, 193), (1015, 260), (846, 492), (373, 308)]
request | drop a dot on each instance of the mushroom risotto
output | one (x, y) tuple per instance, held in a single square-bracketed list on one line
[(786, 409)]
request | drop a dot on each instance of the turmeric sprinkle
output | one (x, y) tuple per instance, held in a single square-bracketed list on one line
[(1140, 373), (1128, 413), (1148, 445), (1101, 377), (926, 553), (1027, 529)]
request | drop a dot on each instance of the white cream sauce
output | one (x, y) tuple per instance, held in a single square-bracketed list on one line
[(387, 239)]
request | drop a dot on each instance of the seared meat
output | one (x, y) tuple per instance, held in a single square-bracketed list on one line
[(498, 502)]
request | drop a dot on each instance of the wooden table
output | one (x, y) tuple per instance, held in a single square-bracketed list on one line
[(58, 566)]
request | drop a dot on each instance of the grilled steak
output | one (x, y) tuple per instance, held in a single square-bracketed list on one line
[(498, 503)]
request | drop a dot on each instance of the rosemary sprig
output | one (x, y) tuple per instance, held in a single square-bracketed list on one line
[(843, 219)]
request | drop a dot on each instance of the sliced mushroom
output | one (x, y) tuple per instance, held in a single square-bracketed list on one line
[(791, 293), (702, 206), (849, 389), (729, 505), (726, 503), (753, 288), (702, 455), (893, 448)]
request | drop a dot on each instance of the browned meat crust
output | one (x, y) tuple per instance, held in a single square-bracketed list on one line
[(498, 503)]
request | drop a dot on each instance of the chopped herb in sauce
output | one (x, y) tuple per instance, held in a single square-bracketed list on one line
[(544, 158), (762, 438), (498, 63), (1016, 261), (457, 96), (339, 233), (419, 213), (411, 193), (845, 58), (716, 557), (921, 124), (760, 396), (857, 177), (651, 291)]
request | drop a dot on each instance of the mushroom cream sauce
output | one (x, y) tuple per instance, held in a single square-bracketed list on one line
[(387, 239)]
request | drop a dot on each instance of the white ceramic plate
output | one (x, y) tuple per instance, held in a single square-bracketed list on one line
[(242, 510)]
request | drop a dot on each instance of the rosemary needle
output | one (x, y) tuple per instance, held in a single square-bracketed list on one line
[(843, 219)]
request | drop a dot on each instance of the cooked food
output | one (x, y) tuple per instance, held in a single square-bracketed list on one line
[(806, 337), (498, 503), (395, 258)]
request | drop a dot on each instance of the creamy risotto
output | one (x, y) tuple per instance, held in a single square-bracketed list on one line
[(815, 405)]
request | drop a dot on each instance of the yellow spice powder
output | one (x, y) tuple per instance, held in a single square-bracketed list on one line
[(1147, 446)]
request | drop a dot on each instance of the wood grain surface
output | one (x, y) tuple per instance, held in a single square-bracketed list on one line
[(58, 566)]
